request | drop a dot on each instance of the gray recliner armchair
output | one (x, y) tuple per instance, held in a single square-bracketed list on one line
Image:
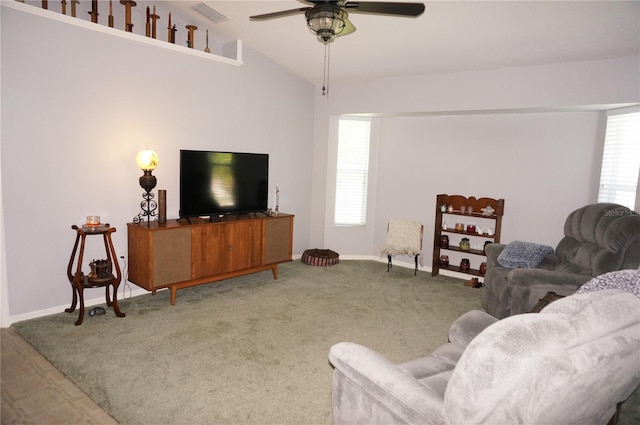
[(526, 369), (598, 238)]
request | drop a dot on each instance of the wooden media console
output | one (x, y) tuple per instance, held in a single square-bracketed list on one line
[(179, 254)]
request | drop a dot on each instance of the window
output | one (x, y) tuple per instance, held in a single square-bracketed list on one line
[(621, 160), (352, 171)]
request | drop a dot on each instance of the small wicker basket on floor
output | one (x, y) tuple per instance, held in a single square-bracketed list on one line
[(320, 257)]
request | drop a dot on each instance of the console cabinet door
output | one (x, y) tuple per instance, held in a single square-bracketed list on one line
[(245, 244), (227, 247), (209, 250)]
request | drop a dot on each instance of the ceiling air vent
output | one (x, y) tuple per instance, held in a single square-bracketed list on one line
[(210, 13)]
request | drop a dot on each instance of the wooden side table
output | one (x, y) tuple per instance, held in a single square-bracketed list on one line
[(79, 281)]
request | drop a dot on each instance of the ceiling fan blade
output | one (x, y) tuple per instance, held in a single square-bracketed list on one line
[(385, 8), (348, 28), (280, 14)]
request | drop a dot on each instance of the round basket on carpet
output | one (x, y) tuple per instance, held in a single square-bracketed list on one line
[(320, 257)]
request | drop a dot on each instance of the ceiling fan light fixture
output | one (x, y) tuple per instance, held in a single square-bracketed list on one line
[(326, 22)]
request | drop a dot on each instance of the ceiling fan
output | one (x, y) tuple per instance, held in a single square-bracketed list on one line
[(329, 19)]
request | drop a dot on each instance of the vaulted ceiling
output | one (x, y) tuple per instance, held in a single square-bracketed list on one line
[(451, 36)]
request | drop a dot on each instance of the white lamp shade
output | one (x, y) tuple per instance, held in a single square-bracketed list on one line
[(147, 160)]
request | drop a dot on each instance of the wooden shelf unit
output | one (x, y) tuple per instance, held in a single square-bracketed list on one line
[(458, 201), (179, 254)]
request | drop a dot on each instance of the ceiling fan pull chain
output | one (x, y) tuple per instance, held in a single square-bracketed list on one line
[(328, 68), (324, 72), (325, 75)]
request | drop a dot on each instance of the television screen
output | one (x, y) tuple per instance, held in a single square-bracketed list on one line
[(215, 183)]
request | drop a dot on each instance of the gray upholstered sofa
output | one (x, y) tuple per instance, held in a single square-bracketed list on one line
[(526, 369), (598, 238)]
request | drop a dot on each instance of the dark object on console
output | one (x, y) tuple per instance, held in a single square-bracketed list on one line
[(598, 238)]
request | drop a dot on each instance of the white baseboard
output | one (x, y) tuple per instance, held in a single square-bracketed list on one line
[(406, 264), (87, 303), (140, 291)]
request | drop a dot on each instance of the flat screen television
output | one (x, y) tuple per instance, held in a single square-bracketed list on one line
[(216, 183)]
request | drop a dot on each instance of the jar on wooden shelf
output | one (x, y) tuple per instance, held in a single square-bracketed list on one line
[(444, 241), (444, 260), (483, 268), (465, 245), (465, 265)]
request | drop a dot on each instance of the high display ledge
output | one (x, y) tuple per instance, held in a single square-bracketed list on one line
[(48, 14)]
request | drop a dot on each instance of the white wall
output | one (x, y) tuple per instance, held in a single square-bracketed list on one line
[(528, 135), (540, 163), (562, 85), (78, 104)]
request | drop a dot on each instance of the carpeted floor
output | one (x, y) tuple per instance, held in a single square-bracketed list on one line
[(251, 349)]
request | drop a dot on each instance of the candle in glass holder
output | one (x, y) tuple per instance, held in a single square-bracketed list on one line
[(93, 221)]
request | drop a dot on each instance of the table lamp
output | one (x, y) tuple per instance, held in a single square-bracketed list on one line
[(147, 160)]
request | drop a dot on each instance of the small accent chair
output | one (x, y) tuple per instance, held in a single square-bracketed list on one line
[(598, 238), (404, 237), (526, 369)]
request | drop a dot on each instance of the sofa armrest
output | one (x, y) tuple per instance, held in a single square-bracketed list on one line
[(528, 286), (492, 251), (468, 326), (365, 381)]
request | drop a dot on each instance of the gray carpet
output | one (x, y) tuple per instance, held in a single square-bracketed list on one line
[(249, 350)]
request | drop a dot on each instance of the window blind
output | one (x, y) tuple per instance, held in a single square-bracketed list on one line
[(621, 160), (352, 172)]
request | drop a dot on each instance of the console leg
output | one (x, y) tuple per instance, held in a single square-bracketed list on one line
[(173, 290)]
